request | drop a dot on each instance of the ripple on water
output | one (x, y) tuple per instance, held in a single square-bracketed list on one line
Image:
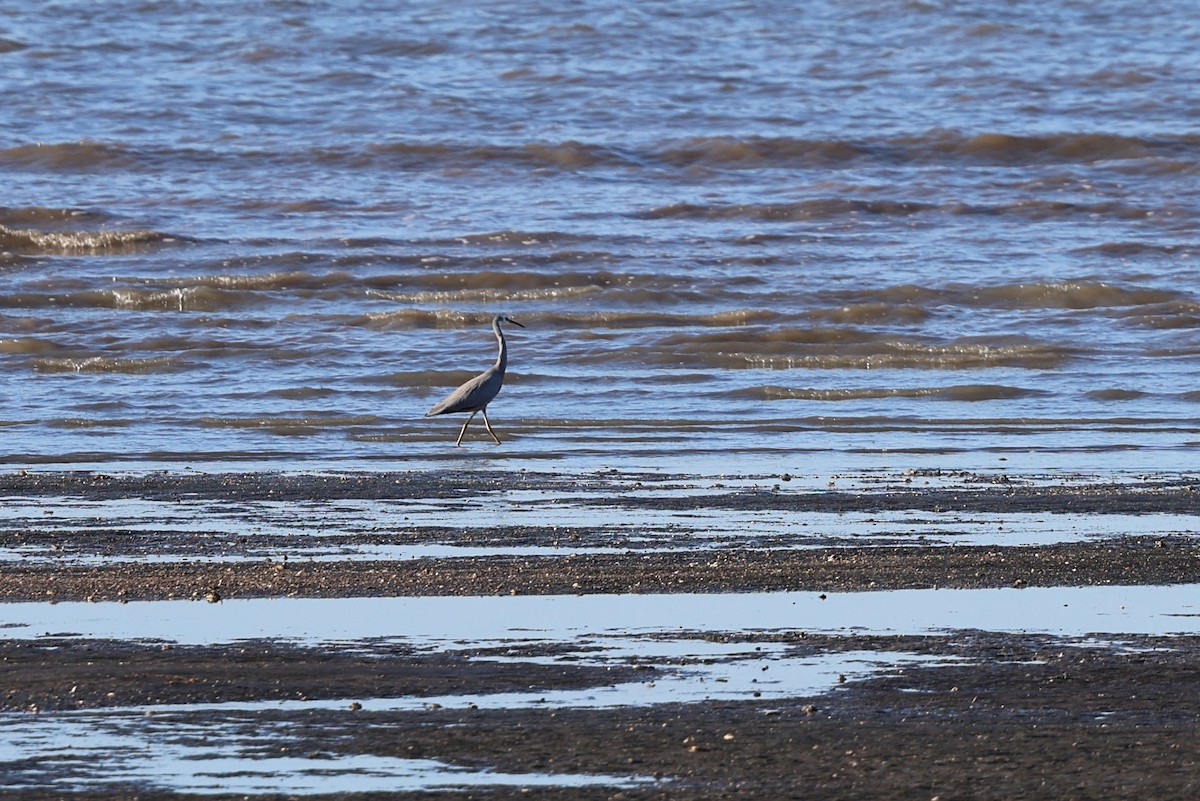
[(93, 751)]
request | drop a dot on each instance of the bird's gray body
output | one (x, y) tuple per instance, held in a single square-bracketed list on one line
[(476, 394)]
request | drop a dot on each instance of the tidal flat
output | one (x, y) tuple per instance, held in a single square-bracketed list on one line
[(898, 635)]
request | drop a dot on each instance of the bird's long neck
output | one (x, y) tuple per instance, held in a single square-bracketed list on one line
[(502, 356)]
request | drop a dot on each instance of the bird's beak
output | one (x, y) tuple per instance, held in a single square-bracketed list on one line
[(514, 322)]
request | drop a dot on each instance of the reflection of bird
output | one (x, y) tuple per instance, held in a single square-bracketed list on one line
[(476, 394)]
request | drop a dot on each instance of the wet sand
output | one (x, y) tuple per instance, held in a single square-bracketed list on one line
[(1132, 561), (1021, 717), (241, 571), (1004, 716)]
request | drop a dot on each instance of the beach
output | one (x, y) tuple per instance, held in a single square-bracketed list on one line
[(562, 559), (1028, 718), (604, 701), (845, 447)]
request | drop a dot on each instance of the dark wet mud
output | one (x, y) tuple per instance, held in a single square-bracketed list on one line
[(62, 673), (1023, 720), (1002, 716), (216, 553), (949, 490), (948, 715), (1136, 560)]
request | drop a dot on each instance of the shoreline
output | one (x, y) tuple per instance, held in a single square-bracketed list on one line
[(941, 714), (944, 491), (991, 715), (244, 535), (1135, 560)]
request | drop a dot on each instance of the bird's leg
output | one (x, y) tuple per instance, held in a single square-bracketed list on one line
[(463, 430), (489, 425)]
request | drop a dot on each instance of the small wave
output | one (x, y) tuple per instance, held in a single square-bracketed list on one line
[(386, 44), (269, 282), (568, 155), (985, 29), (197, 293), (1171, 315), (68, 157), (28, 345), (1072, 295), (717, 152), (445, 318), (510, 237), (50, 216), (402, 319), (311, 206), (514, 280), (301, 393), (872, 313), (838, 207), (731, 317), (822, 209), (419, 378), (961, 392), (485, 295), (1118, 79), (936, 146), (902, 356), (571, 155), (770, 339), (1132, 249), (461, 262), (1038, 209), (496, 288), (722, 152), (182, 299), (89, 422), (756, 151), (1116, 394), (106, 364), (1033, 295), (633, 320), (844, 349), (1071, 147), (492, 285), (291, 426), (67, 242)]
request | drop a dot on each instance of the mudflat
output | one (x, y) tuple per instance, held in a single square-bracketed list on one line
[(961, 714), (247, 559), (1007, 716), (1135, 560)]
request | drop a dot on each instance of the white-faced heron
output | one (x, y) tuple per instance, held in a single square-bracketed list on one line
[(476, 394)]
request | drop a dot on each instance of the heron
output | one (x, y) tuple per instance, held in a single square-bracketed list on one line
[(476, 394)]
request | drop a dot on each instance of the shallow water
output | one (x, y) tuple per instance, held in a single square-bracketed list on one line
[(274, 233), (67, 531), (202, 747), (158, 746), (444, 621), (63, 752)]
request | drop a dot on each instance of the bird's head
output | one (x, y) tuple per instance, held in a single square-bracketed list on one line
[(504, 318)]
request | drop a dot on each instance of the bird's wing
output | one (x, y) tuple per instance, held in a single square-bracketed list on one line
[(472, 395)]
